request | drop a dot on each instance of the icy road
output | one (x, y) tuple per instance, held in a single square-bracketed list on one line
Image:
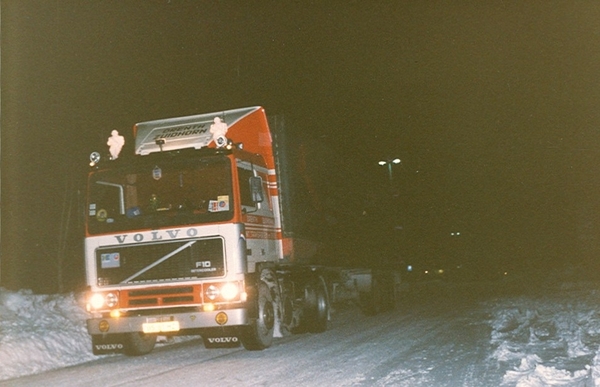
[(441, 334)]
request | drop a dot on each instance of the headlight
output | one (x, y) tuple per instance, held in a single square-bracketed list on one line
[(219, 292), (229, 291), (99, 301), (212, 292), (111, 300), (96, 301)]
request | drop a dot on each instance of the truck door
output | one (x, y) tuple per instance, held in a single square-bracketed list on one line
[(258, 217)]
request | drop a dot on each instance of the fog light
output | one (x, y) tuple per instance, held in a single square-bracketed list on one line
[(208, 307), (115, 313), (221, 318)]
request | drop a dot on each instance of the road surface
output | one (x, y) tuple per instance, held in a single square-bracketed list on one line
[(438, 335)]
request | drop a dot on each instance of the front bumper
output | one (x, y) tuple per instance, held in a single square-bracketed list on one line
[(186, 320)]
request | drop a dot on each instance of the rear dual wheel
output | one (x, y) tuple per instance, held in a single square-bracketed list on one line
[(259, 334), (315, 307)]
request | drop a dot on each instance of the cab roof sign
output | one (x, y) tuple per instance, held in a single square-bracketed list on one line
[(186, 132)]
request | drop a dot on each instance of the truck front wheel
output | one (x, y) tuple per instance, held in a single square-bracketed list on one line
[(259, 334), (138, 343)]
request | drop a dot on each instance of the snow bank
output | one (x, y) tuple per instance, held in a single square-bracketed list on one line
[(549, 339), (40, 332), (44, 332)]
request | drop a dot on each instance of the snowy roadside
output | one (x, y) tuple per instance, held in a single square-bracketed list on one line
[(546, 337), (44, 332), (40, 333)]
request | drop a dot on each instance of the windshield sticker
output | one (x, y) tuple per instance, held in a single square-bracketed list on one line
[(132, 212), (110, 260), (221, 204), (92, 210), (157, 173), (101, 215)]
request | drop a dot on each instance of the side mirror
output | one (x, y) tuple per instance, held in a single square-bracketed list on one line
[(256, 189)]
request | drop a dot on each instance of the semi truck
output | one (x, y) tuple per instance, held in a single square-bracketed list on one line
[(191, 233)]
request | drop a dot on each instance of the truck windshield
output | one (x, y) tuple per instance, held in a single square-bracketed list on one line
[(161, 194)]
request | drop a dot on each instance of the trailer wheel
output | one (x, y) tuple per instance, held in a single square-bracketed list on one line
[(138, 344), (315, 310), (371, 301), (259, 334), (391, 296), (381, 298)]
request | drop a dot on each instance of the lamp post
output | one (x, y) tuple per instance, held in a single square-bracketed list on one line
[(389, 164), (393, 214)]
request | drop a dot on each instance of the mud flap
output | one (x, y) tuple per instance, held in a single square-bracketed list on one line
[(107, 344), (221, 342), (221, 338)]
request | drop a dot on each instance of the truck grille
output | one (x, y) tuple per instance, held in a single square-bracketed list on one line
[(160, 297), (160, 262)]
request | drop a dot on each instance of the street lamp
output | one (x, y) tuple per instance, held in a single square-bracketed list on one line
[(389, 163)]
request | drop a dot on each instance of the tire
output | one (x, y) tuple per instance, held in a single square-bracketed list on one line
[(315, 308), (381, 298), (391, 297), (138, 344), (259, 334), (372, 302), (287, 313)]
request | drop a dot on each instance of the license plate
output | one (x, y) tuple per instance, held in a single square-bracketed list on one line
[(163, 326)]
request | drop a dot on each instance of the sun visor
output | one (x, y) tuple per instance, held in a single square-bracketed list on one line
[(184, 132)]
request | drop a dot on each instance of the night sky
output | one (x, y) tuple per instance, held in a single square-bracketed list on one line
[(492, 106)]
